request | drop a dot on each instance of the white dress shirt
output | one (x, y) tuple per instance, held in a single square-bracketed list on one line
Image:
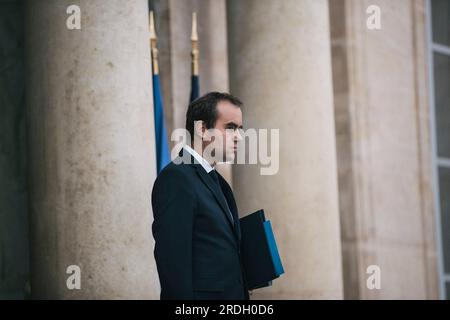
[(205, 164)]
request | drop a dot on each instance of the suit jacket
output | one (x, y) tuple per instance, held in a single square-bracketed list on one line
[(197, 245)]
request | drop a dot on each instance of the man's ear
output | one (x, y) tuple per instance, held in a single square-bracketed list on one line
[(199, 128)]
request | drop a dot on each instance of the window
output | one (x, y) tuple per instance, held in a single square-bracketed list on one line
[(439, 55)]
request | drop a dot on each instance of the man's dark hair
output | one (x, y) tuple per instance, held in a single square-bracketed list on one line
[(205, 109)]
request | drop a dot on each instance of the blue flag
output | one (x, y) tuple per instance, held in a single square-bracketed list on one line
[(162, 145), (195, 87)]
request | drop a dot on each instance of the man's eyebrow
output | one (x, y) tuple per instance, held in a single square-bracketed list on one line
[(231, 123)]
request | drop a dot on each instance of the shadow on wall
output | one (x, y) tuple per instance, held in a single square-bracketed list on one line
[(14, 257)]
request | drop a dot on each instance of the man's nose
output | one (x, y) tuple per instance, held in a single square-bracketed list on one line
[(237, 135)]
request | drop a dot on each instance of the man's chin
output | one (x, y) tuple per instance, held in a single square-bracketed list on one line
[(230, 157)]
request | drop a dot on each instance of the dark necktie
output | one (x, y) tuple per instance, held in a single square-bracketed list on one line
[(215, 177)]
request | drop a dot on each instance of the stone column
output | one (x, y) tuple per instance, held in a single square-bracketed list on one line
[(91, 149), (384, 149), (280, 66)]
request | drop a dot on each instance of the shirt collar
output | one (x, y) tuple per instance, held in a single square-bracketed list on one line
[(205, 164)]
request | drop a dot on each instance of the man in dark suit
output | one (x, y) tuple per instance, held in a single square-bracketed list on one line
[(196, 222)]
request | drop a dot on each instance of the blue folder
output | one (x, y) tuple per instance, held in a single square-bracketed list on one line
[(260, 257)]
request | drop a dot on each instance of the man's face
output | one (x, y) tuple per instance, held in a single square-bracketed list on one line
[(228, 124)]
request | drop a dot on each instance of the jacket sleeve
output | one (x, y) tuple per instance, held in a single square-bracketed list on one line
[(173, 202)]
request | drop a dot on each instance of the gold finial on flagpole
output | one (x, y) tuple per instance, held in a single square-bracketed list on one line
[(194, 41), (153, 40)]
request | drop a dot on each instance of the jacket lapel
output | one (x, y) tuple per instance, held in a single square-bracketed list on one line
[(209, 182), (211, 185)]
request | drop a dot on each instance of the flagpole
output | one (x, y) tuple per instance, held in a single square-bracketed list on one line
[(161, 142), (195, 52), (194, 41), (153, 41)]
